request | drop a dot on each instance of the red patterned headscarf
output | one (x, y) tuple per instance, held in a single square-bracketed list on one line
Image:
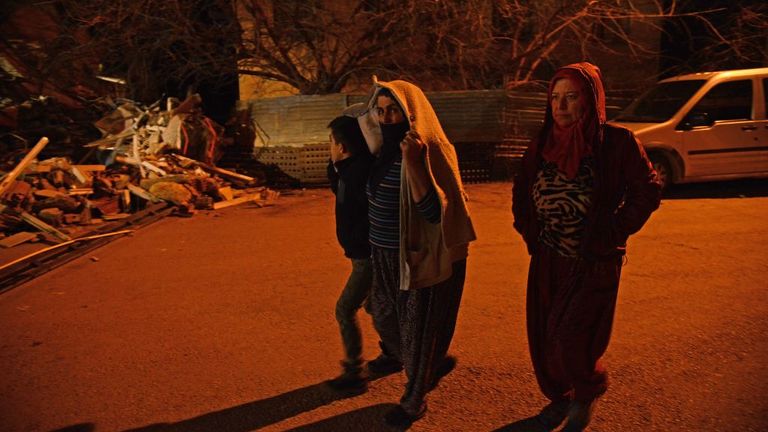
[(566, 146)]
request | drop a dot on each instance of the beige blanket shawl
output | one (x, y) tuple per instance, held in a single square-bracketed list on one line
[(427, 251)]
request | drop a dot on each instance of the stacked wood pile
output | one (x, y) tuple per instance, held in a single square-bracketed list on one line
[(57, 200)]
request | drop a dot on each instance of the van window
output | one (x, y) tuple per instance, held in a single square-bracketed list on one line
[(765, 93), (726, 101), (660, 102)]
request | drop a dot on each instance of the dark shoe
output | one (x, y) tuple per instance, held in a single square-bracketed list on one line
[(384, 365), (352, 383), (579, 415), (552, 415), (446, 366), (400, 418)]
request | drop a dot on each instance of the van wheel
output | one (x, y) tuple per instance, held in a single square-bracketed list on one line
[(663, 170)]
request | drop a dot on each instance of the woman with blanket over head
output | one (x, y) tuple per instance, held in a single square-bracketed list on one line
[(583, 189), (420, 231)]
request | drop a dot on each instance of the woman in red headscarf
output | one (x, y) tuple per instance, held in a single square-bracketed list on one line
[(583, 188)]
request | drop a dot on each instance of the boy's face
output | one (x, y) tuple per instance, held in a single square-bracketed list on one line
[(337, 150)]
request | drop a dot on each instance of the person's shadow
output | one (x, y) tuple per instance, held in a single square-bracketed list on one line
[(261, 413), (80, 427), (369, 419), (529, 424)]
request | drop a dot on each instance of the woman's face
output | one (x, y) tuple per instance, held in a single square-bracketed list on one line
[(389, 111), (567, 102)]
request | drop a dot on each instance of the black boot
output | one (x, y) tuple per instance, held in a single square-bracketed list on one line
[(552, 415), (400, 418), (579, 415), (352, 380), (444, 368), (384, 364)]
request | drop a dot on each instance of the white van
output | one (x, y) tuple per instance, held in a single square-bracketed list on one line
[(704, 126)]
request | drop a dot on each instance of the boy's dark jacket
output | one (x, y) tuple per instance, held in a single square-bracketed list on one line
[(348, 178)]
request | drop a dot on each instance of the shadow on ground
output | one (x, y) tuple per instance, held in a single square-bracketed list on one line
[(258, 414), (747, 188), (529, 424), (369, 419), (80, 427)]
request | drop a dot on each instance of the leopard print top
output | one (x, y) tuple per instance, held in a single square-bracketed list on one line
[(562, 205)]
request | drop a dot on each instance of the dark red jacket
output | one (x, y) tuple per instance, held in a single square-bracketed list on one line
[(626, 188), (626, 192)]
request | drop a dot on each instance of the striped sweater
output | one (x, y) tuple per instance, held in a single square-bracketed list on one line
[(384, 209)]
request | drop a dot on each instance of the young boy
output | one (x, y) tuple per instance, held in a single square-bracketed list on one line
[(348, 173)]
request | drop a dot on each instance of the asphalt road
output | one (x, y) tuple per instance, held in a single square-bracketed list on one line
[(224, 322)]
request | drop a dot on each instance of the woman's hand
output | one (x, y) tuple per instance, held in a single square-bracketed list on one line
[(413, 147)]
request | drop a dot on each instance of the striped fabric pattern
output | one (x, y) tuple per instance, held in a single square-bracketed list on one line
[(429, 207), (384, 210)]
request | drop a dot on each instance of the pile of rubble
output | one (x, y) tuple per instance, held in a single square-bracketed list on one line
[(145, 156)]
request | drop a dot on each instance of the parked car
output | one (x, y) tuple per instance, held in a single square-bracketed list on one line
[(704, 126)]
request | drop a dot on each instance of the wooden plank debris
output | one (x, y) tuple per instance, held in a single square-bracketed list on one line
[(226, 193), (8, 179), (19, 188), (68, 242), (116, 216), (37, 169), (71, 218), (61, 193), (42, 226), (111, 139), (80, 191), (52, 216), (17, 239), (216, 170), (142, 193), (90, 168), (125, 200), (226, 173), (153, 168), (47, 193), (270, 196), (236, 201), (82, 178)]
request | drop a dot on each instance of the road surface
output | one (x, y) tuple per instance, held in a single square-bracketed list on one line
[(224, 322)]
